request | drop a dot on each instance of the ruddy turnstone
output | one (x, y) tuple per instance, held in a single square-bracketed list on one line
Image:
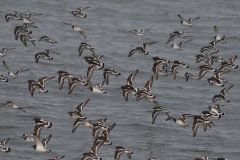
[(41, 121), (187, 22), (3, 146), (84, 45), (178, 46), (139, 32), (78, 111), (216, 109), (4, 79), (176, 34), (3, 50), (180, 121), (110, 71), (78, 14), (41, 145), (47, 39), (201, 57), (211, 114), (174, 70), (159, 71), (158, 109), (79, 80), (44, 55), (121, 150), (229, 63), (28, 138), (146, 92), (78, 29), (83, 121), (11, 73), (215, 81), (191, 76), (64, 76), (141, 50), (38, 86), (94, 60), (181, 64), (96, 88), (25, 38), (211, 49), (13, 105), (21, 29), (105, 134), (14, 16), (219, 37), (129, 86), (200, 120), (222, 96), (57, 158)]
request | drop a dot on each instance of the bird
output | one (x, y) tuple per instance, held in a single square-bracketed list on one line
[(180, 121), (222, 96), (219, 37), (3, 50), (22, 29), (216, 109), (78, 111), (139, 32), (197, 121), (41, 121), (129, 86), (187, 22), (41, 145), (25, 38), (13, 105), (120, 150), (78, 29), (84, 45), (38, 86), (110, 71), (159, 71), (76, 80), (146, 92), (11, 73), (158, 109), (78, 14), (47, 39), (178, 46), (64, 76), (3, 146), (141, 50), (44, 55), (95, 60), (204, 158), (80, 9), (96, 88), (191, 76), (176, 34), (4, 79)]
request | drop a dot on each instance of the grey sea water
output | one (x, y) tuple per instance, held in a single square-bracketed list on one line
[(105, 27)]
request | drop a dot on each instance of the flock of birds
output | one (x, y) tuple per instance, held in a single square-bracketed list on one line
[(160, 67)]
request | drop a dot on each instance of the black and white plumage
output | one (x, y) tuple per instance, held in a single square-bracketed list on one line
[(141, 50), (3, 50), (75, 81), (129, 86), (38, 86), (57, 158), (4, 79), (96, 88), (78, 111), (44, 55), (64, 76), (11, 73), (139, 32), (13, 105), (22, 29), (218, 37), (178, 46), (222, 96), (187, 22), (78, 29), (158, 109), (146, 92), (3, 146), (47, 39), (110, 71), (41, 145), (120, 150), (84, 45), (25, 38)]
